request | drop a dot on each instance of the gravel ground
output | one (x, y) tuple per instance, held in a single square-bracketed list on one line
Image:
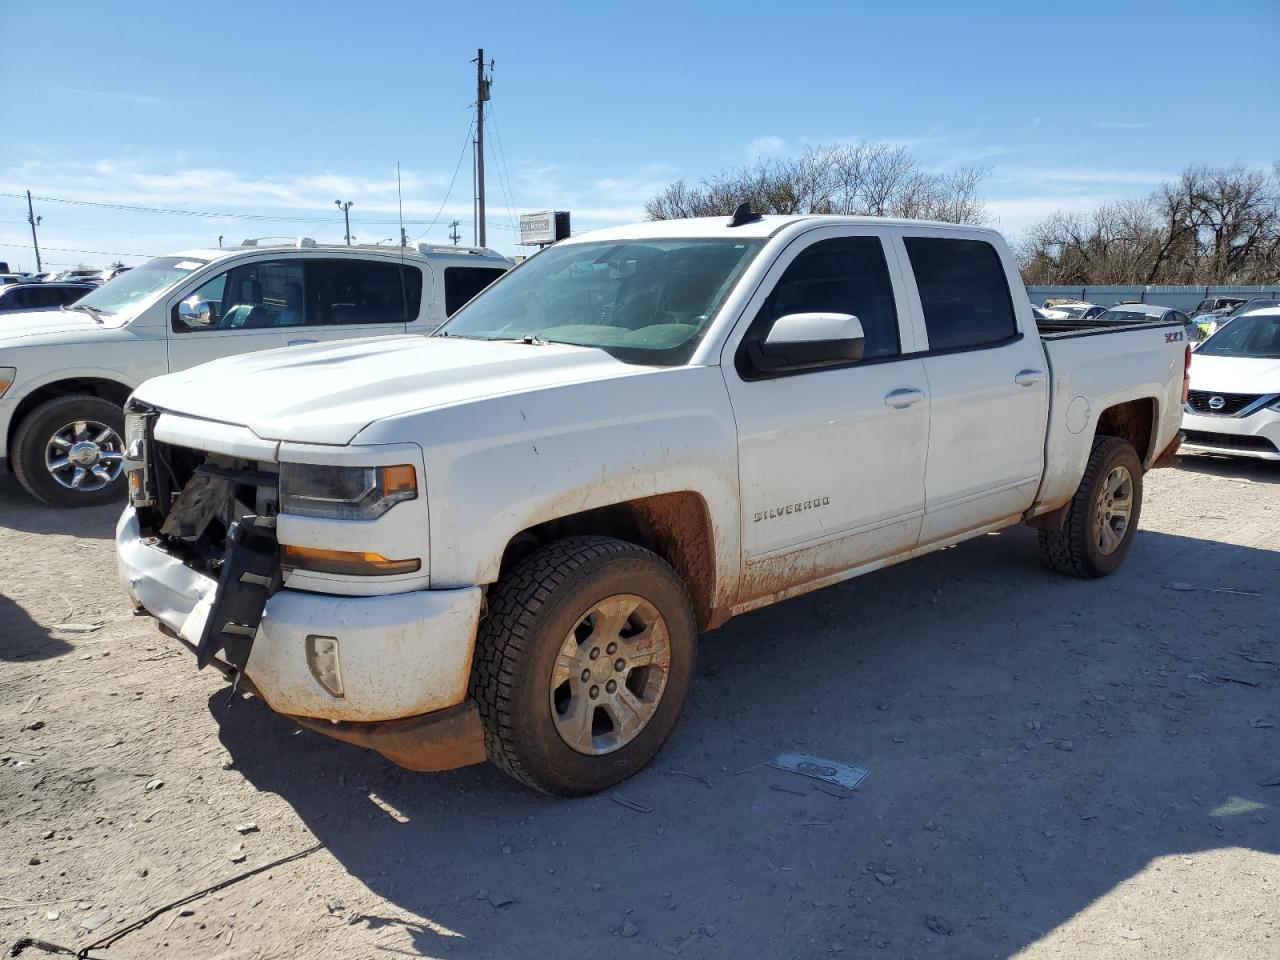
[(1059, 768)]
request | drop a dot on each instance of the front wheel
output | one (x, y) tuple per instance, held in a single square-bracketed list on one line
[(582, 664), (69, 452), (1103, 516)]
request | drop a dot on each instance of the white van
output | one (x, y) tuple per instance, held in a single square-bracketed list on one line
[(64, 376)]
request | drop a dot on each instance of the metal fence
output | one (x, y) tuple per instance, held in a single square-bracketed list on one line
[(1182, 298)]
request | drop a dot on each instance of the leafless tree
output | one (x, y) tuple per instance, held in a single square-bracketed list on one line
[(874, 179), (1212, 225)]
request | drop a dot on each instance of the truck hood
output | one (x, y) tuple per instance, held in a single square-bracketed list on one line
[(22, 325), (328, 393), (1235, 374)]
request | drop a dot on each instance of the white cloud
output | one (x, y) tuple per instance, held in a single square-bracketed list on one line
[(765, 147), (114, 96), (193, 184)]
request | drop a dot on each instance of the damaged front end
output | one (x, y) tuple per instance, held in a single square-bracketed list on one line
[(309, 593), (216, 514)]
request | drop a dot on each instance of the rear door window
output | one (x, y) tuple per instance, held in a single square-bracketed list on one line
[(349, 291), (463, 283), (963, 292)]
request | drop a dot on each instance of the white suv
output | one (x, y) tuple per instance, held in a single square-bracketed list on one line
[(64, 377)]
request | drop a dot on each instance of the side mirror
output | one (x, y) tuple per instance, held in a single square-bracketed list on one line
[(799, 341), (196, 314)]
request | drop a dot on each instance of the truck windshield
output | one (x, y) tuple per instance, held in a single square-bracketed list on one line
[(139, 283), (642, 301), (1253, 335)]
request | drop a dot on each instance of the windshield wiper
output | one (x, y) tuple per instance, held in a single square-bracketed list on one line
[(530, 338), (96, 312)]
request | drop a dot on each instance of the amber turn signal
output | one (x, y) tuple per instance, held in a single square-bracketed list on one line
[(358, 563)]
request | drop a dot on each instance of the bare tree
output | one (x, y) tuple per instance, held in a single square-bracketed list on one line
[(874, 179), (1212, 225)]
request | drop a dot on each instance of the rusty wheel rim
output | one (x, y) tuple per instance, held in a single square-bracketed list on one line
[(610, 674)]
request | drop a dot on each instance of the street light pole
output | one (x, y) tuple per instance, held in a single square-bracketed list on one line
[(34, 221), (344, 207)]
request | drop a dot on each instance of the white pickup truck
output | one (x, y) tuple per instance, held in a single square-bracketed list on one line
[(503, 540)]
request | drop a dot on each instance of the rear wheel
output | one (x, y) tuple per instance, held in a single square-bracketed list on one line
[(69, 452), (1103, 516), (582, 664)]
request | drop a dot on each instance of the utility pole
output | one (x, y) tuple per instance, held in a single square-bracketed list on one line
[(454, 235), (34, 221), (482, 96), (346, 217)]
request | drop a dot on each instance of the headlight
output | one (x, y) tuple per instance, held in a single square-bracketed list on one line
[(7, 375), (344, 493)]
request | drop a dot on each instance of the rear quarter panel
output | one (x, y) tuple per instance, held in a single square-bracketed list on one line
[(1092, 372)]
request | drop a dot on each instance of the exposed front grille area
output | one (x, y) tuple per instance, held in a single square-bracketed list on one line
[(1220, 404), (1229, 441)]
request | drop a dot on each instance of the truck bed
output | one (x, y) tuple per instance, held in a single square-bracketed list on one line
[(1090, 374), (1060, 329)]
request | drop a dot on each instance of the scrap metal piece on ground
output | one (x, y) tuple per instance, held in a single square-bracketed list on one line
[(828, 771)]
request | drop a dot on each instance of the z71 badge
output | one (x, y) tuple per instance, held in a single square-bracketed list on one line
[(790, 508), (1173, 337)]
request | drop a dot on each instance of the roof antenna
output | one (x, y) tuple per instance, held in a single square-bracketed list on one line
[(744, 215)]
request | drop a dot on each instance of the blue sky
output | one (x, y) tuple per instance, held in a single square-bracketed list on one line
[(276, 109)]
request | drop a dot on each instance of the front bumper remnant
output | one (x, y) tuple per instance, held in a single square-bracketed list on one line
[(436, 741)]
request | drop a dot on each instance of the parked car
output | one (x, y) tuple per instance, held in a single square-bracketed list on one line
[(7, 279), (1233, 406), (1074, 311), (1209, 312), (1216, 306), (1211, 325), (78, 275), (1136, 312), (40, 296), (504, 539), (66, 376)]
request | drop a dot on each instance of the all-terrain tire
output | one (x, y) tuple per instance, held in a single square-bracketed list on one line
[(531, 613), (1075, 549), (33, 436)]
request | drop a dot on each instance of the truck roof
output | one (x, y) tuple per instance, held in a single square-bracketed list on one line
[(422, 251), (763, 227)]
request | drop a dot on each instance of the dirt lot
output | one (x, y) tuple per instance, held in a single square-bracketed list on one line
[(1058, 769)]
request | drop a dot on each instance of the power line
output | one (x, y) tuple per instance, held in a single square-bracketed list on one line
[(255, 217), (506, 175), (452, 180), (99, 253)]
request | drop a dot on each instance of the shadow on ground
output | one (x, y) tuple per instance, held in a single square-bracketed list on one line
[(22, 639), (1016, 775), (21, 511), (1240, 468)]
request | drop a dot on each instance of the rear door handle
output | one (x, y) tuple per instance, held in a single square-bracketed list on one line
[(298, 343), (903, 397), (1028, 378)]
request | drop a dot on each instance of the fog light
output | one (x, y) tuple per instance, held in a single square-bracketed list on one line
[(322, 660)]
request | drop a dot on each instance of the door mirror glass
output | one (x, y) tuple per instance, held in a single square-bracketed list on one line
[(798, 341), (196, 314)]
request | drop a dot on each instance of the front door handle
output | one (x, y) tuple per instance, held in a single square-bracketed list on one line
[(298, 343), (903, 397), (1028, 378)]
